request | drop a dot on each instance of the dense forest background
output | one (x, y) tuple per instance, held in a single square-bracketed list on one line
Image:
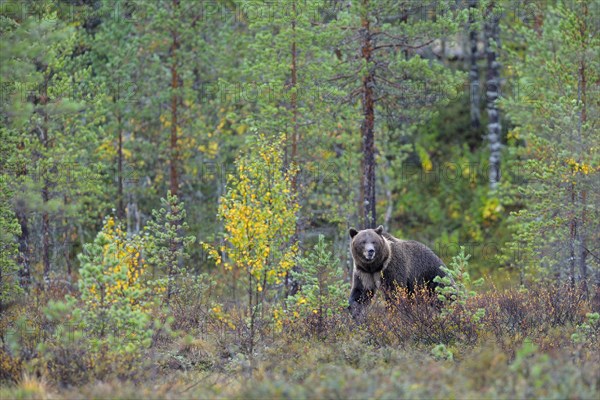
[(178, 179)]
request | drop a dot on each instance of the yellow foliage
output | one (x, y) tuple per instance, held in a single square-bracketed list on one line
[(123, 265), (165, 121), (222, 316), (582, 167), (492, 209), (210, 150), (107, 150), (259, 214), (278, 317)]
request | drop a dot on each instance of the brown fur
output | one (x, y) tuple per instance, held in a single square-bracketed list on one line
[(394, 263)]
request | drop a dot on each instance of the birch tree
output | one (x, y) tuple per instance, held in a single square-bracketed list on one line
[(474, 92), (492, 16)]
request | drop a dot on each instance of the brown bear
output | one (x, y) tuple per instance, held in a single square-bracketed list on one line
[(383, 261)]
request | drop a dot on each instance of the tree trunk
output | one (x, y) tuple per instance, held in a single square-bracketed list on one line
[(45, 190), (474, 70), (291, 284), (46, 234), (492, 39), (67, 240), (582, 243), (368, 125), (133, 216), (387, 184), (174, 153), (572, 239), (294, 96), (23, 258), (120, 202), (582, 98)]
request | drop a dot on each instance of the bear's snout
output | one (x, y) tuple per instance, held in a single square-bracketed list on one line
[(369, 252)]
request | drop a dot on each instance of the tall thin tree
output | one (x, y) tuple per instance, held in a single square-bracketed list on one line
[(492, 45), (384, 70), (474, 91)]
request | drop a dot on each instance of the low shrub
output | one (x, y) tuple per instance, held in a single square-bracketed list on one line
[(322, 294)]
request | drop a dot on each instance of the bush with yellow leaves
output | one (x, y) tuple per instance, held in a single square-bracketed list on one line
[(102, 332), (113, 288), (259, 216)]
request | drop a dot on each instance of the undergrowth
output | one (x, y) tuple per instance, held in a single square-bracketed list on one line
[(531, 342)]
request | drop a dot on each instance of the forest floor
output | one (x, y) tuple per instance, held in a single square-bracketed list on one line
[(540, 343)]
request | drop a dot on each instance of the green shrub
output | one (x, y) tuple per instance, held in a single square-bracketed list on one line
[(454, 290), (167, 247), (322, 291), (441, 352), (588, 331)]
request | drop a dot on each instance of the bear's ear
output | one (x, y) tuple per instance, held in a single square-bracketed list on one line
[(379, 230), (352, 232)]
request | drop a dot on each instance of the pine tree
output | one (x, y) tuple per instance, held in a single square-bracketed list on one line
[(559, 124), (112, 47), (322, 292), (10, 283), (288, 65), (169, 243), (384, 72), (51, 110), (171, 37)]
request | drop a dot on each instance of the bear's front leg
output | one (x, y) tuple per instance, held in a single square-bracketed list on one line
[(360, 297)]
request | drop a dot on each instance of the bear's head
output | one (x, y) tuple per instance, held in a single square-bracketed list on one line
[(369, 249)]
